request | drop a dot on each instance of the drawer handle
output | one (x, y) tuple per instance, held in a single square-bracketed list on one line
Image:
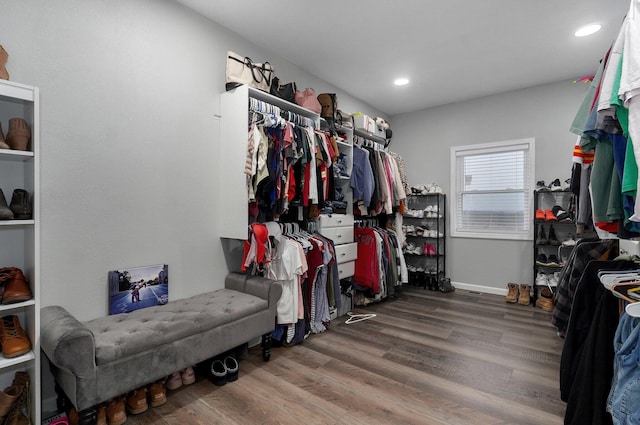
[(343, 254), (340, 272), (339, 221), (339, 236)]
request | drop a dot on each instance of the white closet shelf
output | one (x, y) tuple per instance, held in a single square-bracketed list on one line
[(18, 156), (5, 308), (15, 92), (281, 103), (16, 222), (4, 362)]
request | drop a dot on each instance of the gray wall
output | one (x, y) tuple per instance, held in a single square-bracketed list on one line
[(129, 90), (424, 140)]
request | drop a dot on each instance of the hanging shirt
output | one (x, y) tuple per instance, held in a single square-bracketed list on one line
[(362, 180)]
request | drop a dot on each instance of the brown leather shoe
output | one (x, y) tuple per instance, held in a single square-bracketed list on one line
[(4, 56), (72, 416), (3, 143), (101, 418), (18, 135), (16, 288), (116, 413), (137, 401), (17, 416), (157, 394), (12, 337), (7, 398)]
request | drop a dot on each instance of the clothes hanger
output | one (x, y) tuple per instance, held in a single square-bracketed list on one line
[(609, 278), (633, 309), (629, 291), (355, 318)]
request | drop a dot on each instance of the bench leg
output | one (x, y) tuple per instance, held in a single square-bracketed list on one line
[(266, 347), (88, 416)]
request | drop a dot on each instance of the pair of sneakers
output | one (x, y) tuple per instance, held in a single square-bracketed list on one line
[(425, 189), (224, 370), (182, 377), (551, 260), (429, 249), (411, 248), (555, 186), (414, 213)]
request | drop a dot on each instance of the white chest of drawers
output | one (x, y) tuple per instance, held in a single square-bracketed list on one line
[(339, 228)]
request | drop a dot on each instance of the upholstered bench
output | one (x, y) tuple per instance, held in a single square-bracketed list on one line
[(97, 360)]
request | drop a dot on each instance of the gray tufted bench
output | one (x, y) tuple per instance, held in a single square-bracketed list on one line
[(97, 360)]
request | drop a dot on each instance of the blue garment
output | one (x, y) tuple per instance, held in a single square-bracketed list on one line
[(619, 155), (624, 398), (362, 179)]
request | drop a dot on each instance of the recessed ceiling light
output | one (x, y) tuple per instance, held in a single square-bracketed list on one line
[(588, 30), (401, 81)]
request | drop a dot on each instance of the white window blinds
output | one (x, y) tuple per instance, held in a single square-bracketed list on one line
[(493, 186)]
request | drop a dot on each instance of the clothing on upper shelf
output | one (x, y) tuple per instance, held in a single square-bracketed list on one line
[(287, 164)]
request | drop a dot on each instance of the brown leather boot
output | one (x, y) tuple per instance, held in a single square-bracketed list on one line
[(116, 413), (16, 417), (16, 288), (512, 295), (18, 136), (137, 401), (21, 379), (7, 398), (4, 57), (20, 411), (3, 143), (524, 298), (545, 300), (12, 337)]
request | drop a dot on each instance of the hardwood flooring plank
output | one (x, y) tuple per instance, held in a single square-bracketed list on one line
[(417, 379)]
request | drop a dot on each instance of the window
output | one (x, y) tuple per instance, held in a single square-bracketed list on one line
[(493, 190)]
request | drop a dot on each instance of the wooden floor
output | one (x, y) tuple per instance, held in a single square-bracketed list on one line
[(426, 358)]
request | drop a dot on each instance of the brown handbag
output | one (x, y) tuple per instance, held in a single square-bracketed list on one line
[(329, 102)]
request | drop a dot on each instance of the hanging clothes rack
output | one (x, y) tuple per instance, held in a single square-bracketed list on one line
[(368, 140), (257, 105)]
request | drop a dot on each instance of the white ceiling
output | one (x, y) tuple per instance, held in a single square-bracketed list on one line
[(451, 50)]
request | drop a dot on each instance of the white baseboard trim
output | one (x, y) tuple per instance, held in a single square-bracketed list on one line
[(480, 288)]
